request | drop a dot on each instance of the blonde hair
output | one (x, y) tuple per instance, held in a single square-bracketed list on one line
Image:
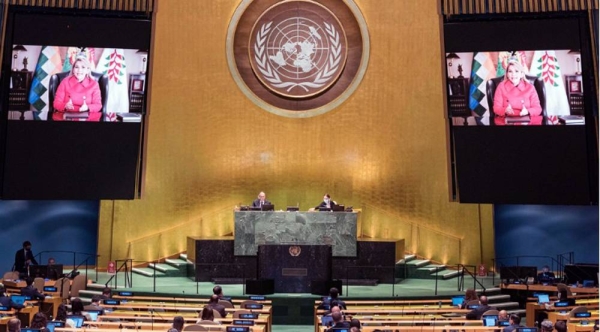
[(517, 65), (85, 62)]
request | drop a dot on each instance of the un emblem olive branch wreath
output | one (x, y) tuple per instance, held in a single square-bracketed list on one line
[(323, 76)]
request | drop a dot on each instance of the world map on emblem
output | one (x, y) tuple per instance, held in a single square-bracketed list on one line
[(298, 52)]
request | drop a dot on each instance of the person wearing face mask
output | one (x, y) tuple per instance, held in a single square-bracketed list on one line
[(327, 203), (515, 96), (78, 93)]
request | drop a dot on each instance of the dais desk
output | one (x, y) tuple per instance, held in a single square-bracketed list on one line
[(254, 228)]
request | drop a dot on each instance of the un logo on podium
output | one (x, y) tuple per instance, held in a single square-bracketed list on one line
[(297, 58)]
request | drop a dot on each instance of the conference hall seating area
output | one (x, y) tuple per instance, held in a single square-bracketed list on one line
[(139, 309)]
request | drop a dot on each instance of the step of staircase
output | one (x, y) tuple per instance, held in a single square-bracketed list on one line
[(418, 262), (520, 312), (168, 270), (94, 287), (176, 262), (506, 305), (407, 258), (148, 272), (449, 274), (498, 298), (427, 271)]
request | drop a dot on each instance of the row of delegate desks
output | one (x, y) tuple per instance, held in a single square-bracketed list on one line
[(548, 288), (404, 314), (140, 311), (555, 314)]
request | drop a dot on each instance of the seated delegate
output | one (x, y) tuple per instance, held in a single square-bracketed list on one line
[(515, 96), (546, 276), (78, 93)]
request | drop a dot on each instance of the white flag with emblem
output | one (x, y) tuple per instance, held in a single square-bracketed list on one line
[(545, 65), (112, 63)]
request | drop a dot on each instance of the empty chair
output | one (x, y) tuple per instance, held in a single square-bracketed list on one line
[(77, 285), (11, 275), (194, 327), (208, 322), (216, 314), (237, 313), (576, 310), (226, 304), (63, 286), (473, 302), (38, 283), (490, 312), (243, 304)]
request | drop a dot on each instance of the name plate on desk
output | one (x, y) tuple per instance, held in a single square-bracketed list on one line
[(254, 228), (292, 272)]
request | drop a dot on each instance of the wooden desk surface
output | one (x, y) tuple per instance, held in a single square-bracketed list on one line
[(164, 299), (531, 309), (547, 288), (556, 316), (577, 327), (183, 308), (421, 328), (398, 311), (155, 327), (152, 326)]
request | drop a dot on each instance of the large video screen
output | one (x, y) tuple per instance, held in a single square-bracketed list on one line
[(521, 100), (538, 87), (69, 83), (73, 103)]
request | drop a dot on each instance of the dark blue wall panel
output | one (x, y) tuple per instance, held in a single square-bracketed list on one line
[(50, 226), (546, 230)]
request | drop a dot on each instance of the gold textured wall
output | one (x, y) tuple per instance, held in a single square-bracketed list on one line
[(209, 148)]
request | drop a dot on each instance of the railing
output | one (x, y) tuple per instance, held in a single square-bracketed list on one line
[(75, 265), (127, 267), (557, 265), (461, 280)]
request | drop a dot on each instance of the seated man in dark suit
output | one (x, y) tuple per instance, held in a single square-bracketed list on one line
[(95, 305), (261, 200), (218, 291), (106, 293), (31, 291), (333, 300), (514, 322), (5, 301), (338, 321), (476, 313), (546, 277), (213, 304)]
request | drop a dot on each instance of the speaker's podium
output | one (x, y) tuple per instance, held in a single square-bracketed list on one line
[(295, 268)]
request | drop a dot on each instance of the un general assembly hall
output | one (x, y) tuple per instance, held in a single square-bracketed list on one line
[(299, 165)]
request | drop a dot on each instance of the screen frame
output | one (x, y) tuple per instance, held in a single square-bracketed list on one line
[(549, 36)]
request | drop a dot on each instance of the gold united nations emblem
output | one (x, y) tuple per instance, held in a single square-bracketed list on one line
[(297, 58), (298, 51)]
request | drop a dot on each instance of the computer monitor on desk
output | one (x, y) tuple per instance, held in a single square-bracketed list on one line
[(338, 208), (268, 207)]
